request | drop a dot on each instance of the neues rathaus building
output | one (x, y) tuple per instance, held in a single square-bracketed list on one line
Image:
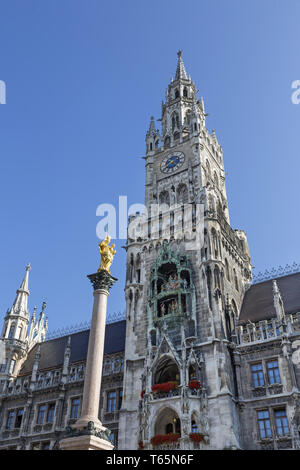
[(205, 358)]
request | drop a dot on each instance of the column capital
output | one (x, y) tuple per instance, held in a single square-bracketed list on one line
[(102, 280)]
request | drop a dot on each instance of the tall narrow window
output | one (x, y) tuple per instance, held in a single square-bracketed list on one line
[(11, 331), (41, 414), (120, 399), (257, 375), (111, 401), (217, 278), (19, 331), (3, 366), (10, 419), (194, 426), (264, 424), (74, 408), (50, 413), (282, 427), (273, 372), (19, 418)]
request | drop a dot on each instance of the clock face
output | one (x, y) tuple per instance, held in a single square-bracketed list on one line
[(172, 162)]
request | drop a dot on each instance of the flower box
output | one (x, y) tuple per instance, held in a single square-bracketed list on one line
[(196, 437), (164, 439), (165, 387), (194, 384)]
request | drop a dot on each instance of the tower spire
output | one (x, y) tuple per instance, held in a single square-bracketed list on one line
[(180, 70), (20, 305)]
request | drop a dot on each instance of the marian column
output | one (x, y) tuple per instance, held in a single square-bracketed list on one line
[(88, 433)]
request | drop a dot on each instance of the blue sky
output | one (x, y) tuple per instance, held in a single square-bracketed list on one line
[(83, 79)]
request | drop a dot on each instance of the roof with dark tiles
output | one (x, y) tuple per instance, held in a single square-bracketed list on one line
[(258, 303), (52, 351)]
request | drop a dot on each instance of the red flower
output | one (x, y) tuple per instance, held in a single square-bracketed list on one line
[(165, 387), (141, 445), (194, 384), (196, 436), (164, 439)]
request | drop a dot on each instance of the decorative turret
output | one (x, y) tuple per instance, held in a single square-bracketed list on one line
[(38, 328), (17, 318), (182, 114), (18, 340), (152, 137)]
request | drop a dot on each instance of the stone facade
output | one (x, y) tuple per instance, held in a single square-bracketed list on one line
[(45, 398), (211, 360)]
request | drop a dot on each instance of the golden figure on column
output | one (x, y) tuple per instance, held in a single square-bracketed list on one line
[(107, 254)]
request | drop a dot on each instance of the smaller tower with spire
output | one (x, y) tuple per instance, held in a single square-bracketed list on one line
[(18, 341)]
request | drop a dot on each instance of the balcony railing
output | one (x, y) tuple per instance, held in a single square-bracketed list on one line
[(176, 393), (267, 330)]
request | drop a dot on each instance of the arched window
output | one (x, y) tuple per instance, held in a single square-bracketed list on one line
[(234, 308), (131, 268), (11, 331), (156, 143), (215, 243), (167, 142), (176, 136), (166, 371), (153, 337), (151, 145), (167, 422), (177, 94), (185, 92), (194, 426), (217, 278)]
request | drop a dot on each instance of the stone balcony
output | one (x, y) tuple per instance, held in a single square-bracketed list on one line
[(267, 330), (176, 393)]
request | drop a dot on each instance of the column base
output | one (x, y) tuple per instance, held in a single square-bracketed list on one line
[(90, 437), (85, 442), (84, 421)]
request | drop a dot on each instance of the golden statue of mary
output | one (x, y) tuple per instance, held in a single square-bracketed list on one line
[(107, 254)]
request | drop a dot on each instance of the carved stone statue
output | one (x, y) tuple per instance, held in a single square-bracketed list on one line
[(107, 254)]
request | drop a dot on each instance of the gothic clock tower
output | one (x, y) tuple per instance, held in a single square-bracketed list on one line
[(187, 271)]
